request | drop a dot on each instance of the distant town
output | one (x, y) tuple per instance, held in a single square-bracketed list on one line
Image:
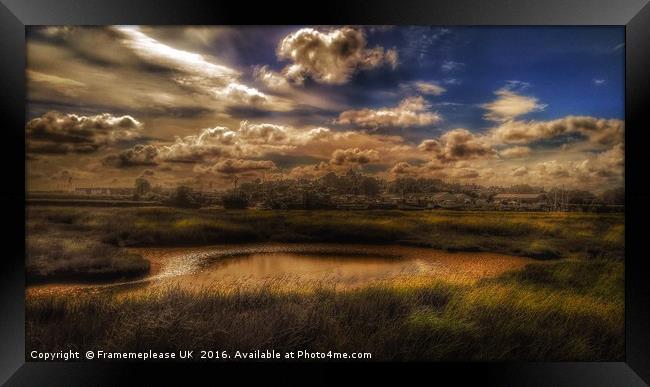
[(350, 191)]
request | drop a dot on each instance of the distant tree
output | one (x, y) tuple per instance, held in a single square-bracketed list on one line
[(142, 187), (330, 179), (234, 200), (182, 197), (524, 188), (613, 196), (370, 186), (580, 197)]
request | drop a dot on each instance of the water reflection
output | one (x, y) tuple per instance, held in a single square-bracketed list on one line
[(236, 266)]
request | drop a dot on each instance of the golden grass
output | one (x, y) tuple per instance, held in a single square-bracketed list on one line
[(552, 316)]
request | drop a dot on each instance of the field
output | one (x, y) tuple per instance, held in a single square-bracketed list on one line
[(570, 306)]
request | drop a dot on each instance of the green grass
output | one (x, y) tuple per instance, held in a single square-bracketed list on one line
[(537, 235), (564, 311)]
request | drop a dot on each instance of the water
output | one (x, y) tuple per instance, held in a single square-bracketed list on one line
[(240, 266), (346, 265)]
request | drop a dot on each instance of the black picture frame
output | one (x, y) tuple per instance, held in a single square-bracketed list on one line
[(633, 14)]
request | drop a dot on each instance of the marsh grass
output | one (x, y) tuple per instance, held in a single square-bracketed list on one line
[(537, 235), (551, 314), (569, 309), (68, 242), (54, 256)]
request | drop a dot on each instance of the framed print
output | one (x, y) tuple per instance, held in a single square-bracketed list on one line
[(450, 188)]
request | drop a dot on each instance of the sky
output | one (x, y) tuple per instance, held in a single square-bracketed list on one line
[(199, 105)]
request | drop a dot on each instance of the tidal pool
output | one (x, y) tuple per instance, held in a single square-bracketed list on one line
[(332, 265), (327, 264)]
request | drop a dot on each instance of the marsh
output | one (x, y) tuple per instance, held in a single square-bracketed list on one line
[(442, 285)]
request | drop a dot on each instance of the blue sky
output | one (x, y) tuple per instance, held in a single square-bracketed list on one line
[(493, 105), (574, 70)]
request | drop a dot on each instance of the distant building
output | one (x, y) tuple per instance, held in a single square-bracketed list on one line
[(104, 191), (449, 200), (519, 198)]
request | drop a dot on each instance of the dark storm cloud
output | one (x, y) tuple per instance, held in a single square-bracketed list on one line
[(290, 161), (56, 132), (234, 166), (457, 144), (137, 156)]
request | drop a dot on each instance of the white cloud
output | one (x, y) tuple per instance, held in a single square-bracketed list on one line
[(330, 56), (515, 152), (271, 79), (429, 88), (199, 72), (510, 105), (354, 156), (597, 130), (184, 61), (263, 133), (553, 169), (450, 65), (392, 58), (412, 111), (520, 171), (430, 145)]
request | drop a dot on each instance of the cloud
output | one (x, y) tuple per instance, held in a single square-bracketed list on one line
[(465, 173), (263, 133), (137, 156), (412, 111), (599, 82), (515, 152), (606, 164), (424, 87), (111, 60), (449, 66), (147, 173), (404, 168), (271, 79), (199, 72), (461, 144), (68, 87), (354, 156), (194, 70), (596, 130), (520, 171), (553, 169), (429, 88), (195, 148), (452, 81), (259, 139), (457, 144), (331, 56), (430, 145), (433, 165), (56, 132), (509, 104), (392, 58), (237, 166), (69, 175), (188, 64), (433, 168)]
